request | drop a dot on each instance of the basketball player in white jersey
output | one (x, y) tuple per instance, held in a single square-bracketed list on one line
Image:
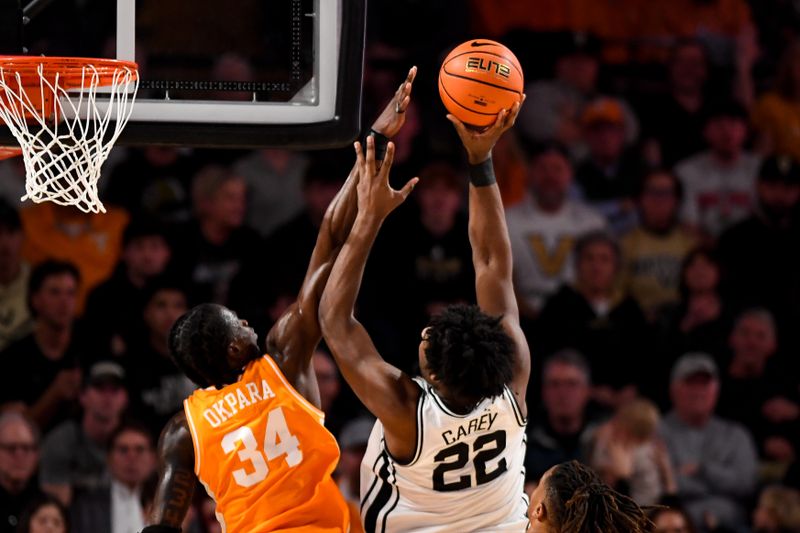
[(446, 454)]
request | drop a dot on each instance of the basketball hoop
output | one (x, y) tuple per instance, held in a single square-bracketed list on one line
[(64, 122)]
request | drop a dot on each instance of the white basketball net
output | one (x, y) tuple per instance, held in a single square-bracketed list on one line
[(63, 152)]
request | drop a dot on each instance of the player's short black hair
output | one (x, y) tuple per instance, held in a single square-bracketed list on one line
[(198, 345), (470, 352), (578, 501)]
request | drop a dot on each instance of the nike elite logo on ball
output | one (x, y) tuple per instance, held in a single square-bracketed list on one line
[(478, 43), (474, 64)]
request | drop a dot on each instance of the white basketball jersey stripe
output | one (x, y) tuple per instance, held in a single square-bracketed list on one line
[(467, 474)]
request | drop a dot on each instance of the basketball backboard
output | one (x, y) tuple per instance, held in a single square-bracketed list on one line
[(246, 73)]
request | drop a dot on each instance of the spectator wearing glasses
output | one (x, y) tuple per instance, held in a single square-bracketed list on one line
[(118, 508), (19, 457)]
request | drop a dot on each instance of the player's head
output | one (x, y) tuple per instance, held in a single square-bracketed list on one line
[(210, 344), (466, 354), (572, 498)]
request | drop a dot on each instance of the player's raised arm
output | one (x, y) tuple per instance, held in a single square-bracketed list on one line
[(386, 391), (177, 479), (488, 235), (291, 342)]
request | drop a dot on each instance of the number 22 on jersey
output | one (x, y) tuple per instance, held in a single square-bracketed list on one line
[(278, 441)]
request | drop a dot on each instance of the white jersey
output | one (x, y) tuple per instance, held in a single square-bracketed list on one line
[(467, 474)]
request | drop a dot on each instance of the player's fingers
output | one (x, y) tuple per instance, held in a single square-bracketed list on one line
[(359, 155), (370, 160), (460, 128), (406, 190), (500, 122), (512, 115), (388, 159), (412, 74)]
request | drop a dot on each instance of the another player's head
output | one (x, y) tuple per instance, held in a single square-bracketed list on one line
[(210, 344), (466, 354), (572, 498)]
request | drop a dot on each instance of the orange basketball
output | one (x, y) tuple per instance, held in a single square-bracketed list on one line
[(478, 79)]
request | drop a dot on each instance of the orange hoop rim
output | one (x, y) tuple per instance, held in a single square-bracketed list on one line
[(70, 70)]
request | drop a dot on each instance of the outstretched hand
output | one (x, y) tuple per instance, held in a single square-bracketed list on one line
[(393, 116), (376, 198), (479, 143)]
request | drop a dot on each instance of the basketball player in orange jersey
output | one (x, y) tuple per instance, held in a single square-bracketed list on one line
[(254, 435), (447, 451)]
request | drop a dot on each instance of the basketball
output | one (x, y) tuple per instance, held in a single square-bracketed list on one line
[(479, 78)]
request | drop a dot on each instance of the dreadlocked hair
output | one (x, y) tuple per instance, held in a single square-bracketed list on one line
[(470, 352), (579, 502), (198, 345)]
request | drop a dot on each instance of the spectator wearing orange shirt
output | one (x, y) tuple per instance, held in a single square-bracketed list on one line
[(92, 242), (776, 115)]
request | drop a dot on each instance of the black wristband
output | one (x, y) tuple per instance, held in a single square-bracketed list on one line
[(381, 141), (482, 174), (161, 529)]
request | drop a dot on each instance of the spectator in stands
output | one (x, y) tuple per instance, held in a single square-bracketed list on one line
[(778, 511), (154, 182), (118, 507), (759, 389), (14, 274), (630, 457), (544, 227), (701, 320), (74, 453), (554, 107), (652, 253), (671, 519), (593, 317), (562, 430), (296, 238), (274, 179), (48, 357), (428, 254), (724, 27), (607, 177), (719, 183), (261, 298), (675, 121), (212, 250), (91, 242), (145, 254), (761, 254), (157, 387), (776, 115), (44, 515), (715, 459), (19, 457)]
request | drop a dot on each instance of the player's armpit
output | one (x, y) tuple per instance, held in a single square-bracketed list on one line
[(177, 479)]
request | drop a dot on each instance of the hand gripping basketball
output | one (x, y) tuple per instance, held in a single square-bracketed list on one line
[(479, 143)]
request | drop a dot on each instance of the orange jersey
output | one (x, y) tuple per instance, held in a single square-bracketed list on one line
[(263, 454)]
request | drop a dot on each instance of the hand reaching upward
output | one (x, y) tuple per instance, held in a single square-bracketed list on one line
[(376, 198), (394, 114)]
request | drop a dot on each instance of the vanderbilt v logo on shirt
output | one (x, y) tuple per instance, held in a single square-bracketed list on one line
[(550, 262)]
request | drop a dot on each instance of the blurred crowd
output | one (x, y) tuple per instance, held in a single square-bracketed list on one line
[(652, 185)]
